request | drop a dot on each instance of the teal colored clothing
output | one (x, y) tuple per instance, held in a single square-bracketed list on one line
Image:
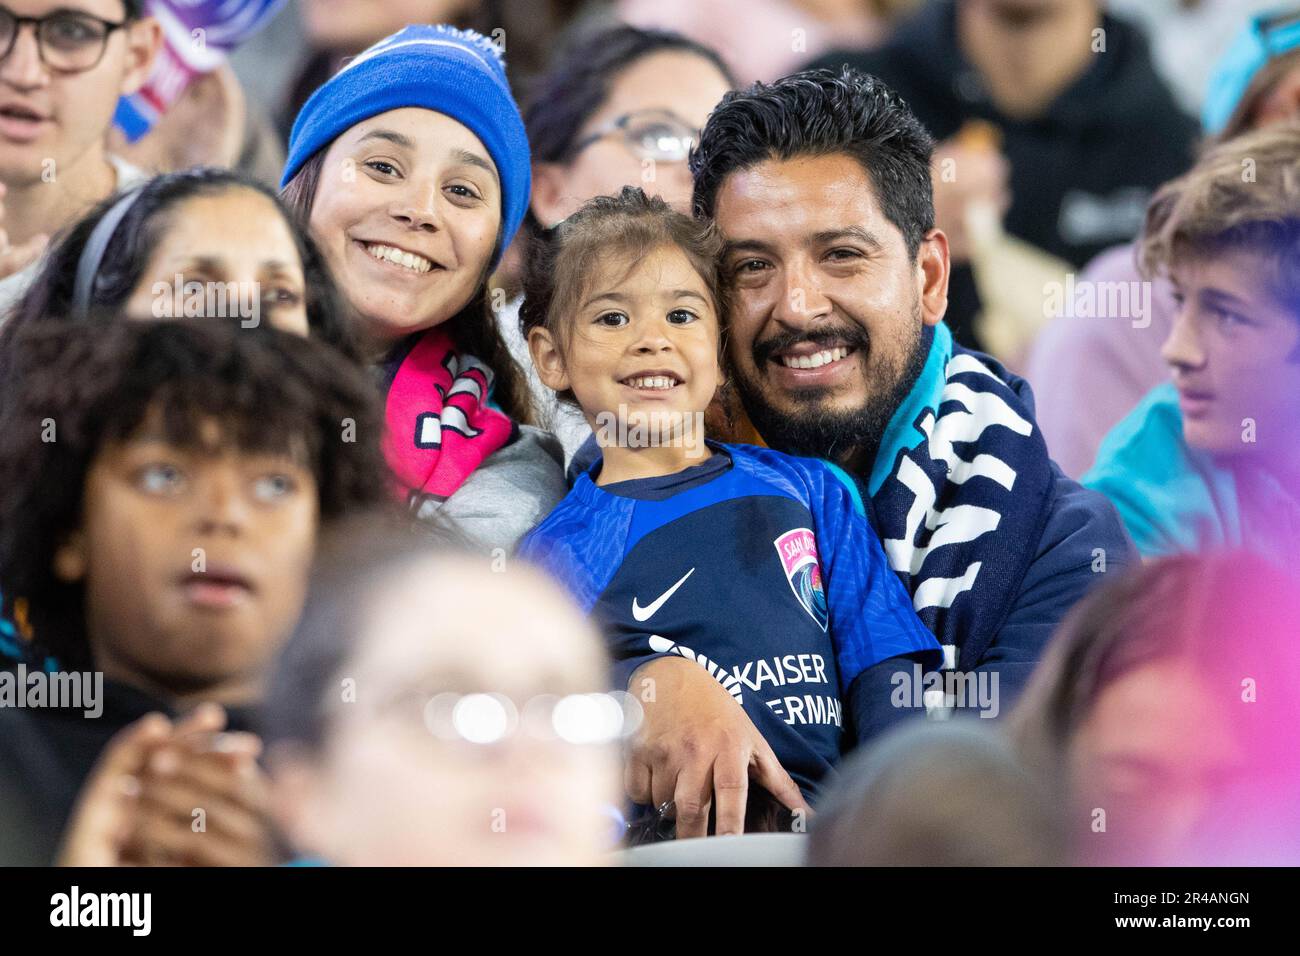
[(1175, 499), (10, 648)]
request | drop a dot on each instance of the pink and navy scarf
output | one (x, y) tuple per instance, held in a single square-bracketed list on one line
[(441, 423)]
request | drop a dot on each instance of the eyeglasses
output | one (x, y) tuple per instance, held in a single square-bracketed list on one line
[(660, 135), (68, 41), (483, 719)]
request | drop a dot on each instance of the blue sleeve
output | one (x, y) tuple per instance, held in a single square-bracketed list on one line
[(871, 615), (883, 695), (1083, 544), (579, 547), (582, 548)]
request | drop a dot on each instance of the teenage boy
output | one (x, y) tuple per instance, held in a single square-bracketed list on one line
[(63, 66)]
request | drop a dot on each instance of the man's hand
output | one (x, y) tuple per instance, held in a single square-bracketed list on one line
[(16, 258), (697, 745)]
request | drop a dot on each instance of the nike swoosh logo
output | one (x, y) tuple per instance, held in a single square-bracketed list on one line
[(647, 612)]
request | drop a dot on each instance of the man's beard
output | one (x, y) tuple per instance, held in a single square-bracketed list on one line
[(836, 435)]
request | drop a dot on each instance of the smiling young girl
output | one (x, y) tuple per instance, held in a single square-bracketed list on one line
[(758, 565)]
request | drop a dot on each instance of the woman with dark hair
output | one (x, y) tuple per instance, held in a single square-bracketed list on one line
[(411, 167), (200, 242), (618, 107), (1164, 714), (614, 107)]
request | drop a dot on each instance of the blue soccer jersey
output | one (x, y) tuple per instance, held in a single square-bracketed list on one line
[(757, 565)]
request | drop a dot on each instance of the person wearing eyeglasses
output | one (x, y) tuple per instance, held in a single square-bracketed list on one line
[(63, 66), (429, 711), (621, 106)]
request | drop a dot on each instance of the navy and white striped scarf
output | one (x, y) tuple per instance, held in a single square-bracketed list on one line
[(959, 495)]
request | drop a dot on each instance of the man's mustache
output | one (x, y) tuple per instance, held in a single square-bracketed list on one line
[(851, 336)]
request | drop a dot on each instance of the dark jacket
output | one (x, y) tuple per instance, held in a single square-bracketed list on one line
[(1082, 173), (47, 753)]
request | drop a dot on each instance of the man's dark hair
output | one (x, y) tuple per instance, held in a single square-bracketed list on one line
[(269, 391), (134, 9), (816, 113)]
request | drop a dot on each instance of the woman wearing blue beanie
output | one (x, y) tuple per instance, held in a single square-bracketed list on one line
[(411, 167)]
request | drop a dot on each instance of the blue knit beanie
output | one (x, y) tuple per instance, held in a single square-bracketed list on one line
[(455, 72)]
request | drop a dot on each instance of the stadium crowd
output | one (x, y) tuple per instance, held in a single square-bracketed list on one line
[(445, 432)]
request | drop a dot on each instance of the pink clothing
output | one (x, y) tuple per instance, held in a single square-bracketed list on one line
[(440, 426), (1089, 372), (758, 39)]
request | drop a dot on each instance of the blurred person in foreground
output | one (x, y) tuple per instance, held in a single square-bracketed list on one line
[(1094, 361), (162, 485), (1211, 459), (936, 794), (1087, 128), (63, 66), (618, 107), (431, 710), (1165, 714)]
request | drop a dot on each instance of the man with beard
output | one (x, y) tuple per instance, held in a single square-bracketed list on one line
[(820, 186)]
